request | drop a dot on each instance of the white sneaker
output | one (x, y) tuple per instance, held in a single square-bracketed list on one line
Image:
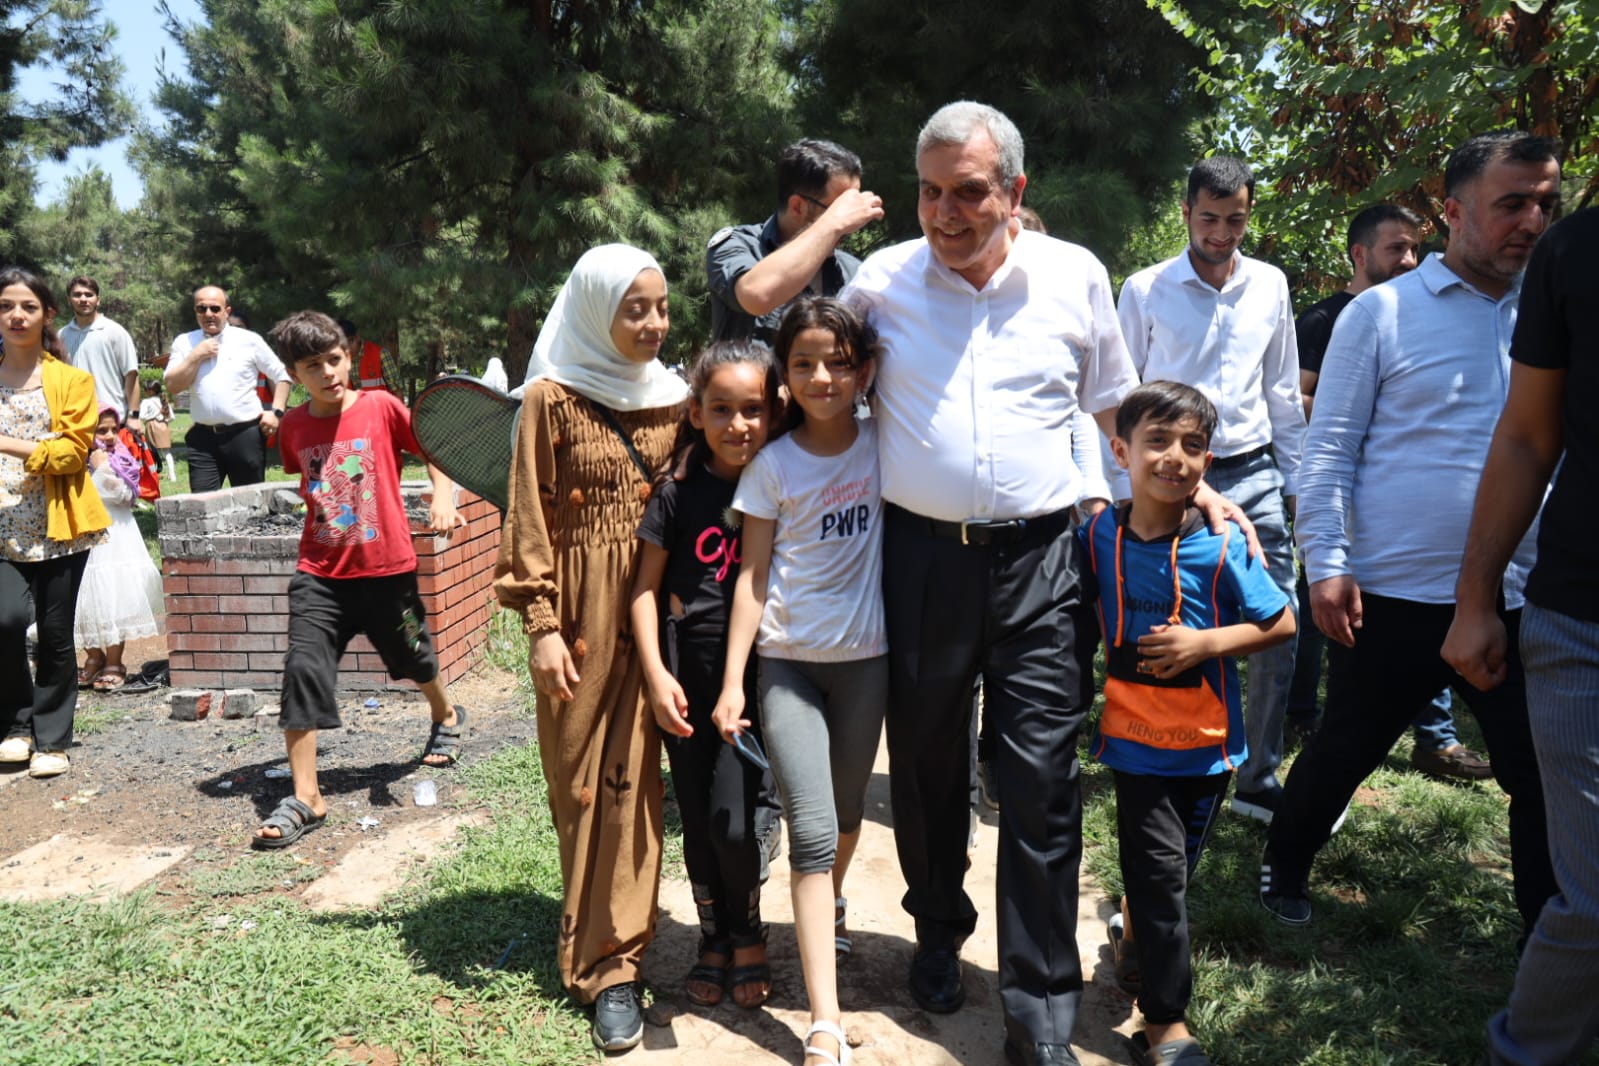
[(49, 764), (15, 749)]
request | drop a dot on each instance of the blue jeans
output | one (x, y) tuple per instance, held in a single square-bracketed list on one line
[(1553, 1015), (1257, 488)]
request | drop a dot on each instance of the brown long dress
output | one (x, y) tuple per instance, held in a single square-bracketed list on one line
[(566, 562)]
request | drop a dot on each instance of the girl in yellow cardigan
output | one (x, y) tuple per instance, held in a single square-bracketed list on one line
[(50, 516)]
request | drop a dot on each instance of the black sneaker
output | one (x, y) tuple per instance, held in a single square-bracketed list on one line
[(1261, 806), (1285, 895), (618, 1018)]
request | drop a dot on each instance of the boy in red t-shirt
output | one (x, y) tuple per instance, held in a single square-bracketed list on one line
[(357, 571)]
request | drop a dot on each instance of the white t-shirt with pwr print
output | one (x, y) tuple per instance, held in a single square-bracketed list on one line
[(824, 598)]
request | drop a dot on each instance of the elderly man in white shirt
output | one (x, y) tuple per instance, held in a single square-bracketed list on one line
[(1415, 379), (219, 363), (992, 338), (1220, 321)]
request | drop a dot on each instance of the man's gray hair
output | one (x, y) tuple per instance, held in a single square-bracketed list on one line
[(955, 123)]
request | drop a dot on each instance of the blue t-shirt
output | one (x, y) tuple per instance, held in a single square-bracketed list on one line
[(1192, 724)]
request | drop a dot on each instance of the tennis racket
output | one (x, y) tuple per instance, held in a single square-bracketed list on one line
[(391, 373), (467, 430)]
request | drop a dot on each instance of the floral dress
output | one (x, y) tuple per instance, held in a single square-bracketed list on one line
[(24, 519)]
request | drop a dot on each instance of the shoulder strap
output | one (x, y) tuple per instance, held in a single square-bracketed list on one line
[(627, 441)]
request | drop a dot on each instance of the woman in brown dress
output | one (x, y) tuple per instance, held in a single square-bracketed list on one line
[(599, 414)]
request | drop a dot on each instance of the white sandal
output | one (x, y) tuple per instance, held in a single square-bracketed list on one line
[(842, 944), (834, 1030)]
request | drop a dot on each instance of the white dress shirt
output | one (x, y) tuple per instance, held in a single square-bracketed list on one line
[(1234, 344), (978, 388), (223, 392), (1414, 381)]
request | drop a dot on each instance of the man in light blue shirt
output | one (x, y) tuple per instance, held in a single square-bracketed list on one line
[(1414, 380)]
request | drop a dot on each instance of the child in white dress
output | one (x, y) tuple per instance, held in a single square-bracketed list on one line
[(120, 598)]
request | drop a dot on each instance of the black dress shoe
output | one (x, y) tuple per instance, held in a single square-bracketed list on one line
[(1039, 1054), (935, 981)]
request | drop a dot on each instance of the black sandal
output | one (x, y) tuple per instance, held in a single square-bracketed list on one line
[(751, 973), (703, 972), (292, 819), (445, 740)]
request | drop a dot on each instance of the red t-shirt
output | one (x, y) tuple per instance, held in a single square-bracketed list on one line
[(349, 467)]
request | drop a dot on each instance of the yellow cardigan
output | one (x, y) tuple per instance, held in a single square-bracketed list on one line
[(73, 504)]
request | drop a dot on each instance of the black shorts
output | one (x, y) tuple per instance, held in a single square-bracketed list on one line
[(325, 614)]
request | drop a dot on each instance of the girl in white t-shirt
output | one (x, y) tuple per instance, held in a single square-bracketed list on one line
[(808, 599)]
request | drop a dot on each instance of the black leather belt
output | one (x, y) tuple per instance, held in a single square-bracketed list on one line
[(1241, 458), (984, 533)]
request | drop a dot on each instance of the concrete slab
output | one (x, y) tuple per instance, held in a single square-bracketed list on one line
[(383, 864), (66, 865)]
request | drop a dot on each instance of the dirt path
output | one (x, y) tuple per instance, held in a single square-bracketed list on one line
[(879, 1013)]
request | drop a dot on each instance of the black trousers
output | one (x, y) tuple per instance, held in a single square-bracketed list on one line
[(1162, 824), (716, 791), (236, 453), (1014, 615), (1373, 691), (40, 703), (325, 614)]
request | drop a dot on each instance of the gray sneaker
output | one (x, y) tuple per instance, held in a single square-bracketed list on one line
[(618, 1018)]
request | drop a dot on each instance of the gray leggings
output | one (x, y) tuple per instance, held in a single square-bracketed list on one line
[(808, 708)]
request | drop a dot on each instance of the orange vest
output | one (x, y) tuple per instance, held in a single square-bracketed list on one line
[(371, 375)]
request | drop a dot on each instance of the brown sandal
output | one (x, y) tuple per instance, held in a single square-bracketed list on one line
[(89, 671), (110, 679)]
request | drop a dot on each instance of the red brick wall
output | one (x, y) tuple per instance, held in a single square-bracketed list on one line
[(227, 619)]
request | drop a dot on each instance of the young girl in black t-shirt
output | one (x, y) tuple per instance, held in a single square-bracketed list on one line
[(682, 595)]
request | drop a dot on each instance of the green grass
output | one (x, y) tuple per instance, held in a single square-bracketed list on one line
[(1410, 952), (458, 970), (1412, 946), (220, 873)]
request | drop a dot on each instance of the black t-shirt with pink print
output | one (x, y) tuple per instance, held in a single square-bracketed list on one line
[(691, 520)]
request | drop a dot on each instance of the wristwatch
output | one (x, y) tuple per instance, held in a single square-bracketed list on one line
[(277, 412)]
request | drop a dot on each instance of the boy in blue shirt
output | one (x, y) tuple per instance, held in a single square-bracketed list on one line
[(1177, 604)]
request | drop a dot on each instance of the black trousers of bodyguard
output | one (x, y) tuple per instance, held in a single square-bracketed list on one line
[(1373, 691), (1013, 614)]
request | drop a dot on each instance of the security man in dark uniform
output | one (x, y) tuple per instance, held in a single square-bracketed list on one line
[(755, 270)]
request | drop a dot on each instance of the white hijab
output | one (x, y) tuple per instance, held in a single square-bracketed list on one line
[(575, 346)]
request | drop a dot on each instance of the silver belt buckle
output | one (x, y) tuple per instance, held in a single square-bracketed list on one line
[(964, 523)]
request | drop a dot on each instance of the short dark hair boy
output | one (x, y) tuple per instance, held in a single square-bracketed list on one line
[(1177, 603), (357, 569)]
